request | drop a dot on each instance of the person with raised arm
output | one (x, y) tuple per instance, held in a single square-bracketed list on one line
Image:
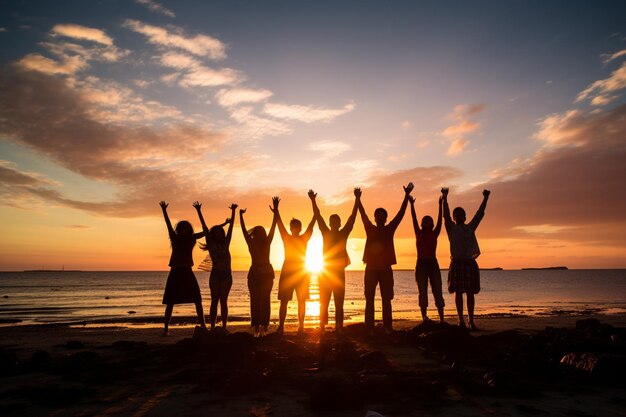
[(182, 286), (261, 273), (221, 279), (332, 279), (427, 267), (379, 256), (293, 275), (463, 275)]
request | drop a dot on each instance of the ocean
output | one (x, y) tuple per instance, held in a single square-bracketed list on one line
[(134, 298)]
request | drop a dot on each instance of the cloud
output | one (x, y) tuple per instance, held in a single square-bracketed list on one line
[(329, 148), (153, 6), (37, 62), (235, 96), (461, 127), (602, 92), (306, 114), (82, 32), (256, 127), (607, 58), (194, 74), (572, 184), (41, 112), (200, 45)]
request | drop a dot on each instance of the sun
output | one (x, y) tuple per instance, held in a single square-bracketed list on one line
[(314, 255)]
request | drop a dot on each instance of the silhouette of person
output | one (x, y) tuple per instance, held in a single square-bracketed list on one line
[(181, 286), (427, 267), (221, 278), (379, 256), (464, 275), (332, 279), (261, 273), (293, 275)]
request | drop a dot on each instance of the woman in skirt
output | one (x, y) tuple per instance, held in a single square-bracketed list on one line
[(464, 275), (182, 286)]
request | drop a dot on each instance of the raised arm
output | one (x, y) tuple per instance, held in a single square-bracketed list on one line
[(316, 212), (270, 236), (438, 225), (396, 220), (350, 222), (170, 229), (309, 230), (279, 220), (416, 226), (243, 226), (481, 210), (446, 208), (229, 233), (198, 206), (366, 221)]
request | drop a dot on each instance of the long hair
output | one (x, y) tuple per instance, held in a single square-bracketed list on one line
[(184, 231)]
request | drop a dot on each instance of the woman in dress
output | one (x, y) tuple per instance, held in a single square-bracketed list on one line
[(182, 286)]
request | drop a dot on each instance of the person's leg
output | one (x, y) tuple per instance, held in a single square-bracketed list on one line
[(200, 312), (339, 295), (325, 292), (266, 304), (301, 312), (470, 310), (386, 293), (214, 286), (370, 291), (458, 299), (435, 286), (282, 315), (421, 277), (254, 305), (168, 316), (224, 291)]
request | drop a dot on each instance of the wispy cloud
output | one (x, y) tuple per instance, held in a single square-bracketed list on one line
[(605, 91), (235, 96), (329, 148), (153, 6), (82, 32), (200, 45), (462, 126), (194, 74), (607, 58), (306, 114), (68, 66)]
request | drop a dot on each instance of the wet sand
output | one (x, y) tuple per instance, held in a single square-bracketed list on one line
[(513, 366)]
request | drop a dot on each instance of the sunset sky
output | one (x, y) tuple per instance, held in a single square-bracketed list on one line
[(108, 107)]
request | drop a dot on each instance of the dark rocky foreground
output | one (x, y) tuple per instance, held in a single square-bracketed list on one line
[(433, 368)]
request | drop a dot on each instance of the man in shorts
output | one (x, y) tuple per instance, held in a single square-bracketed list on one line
[(293, 275)]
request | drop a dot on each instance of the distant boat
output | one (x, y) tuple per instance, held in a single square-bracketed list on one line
[(549, 268), (52, 270)]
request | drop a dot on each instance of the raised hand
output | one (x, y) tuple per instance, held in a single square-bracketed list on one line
[(233, 206), (411, 199), (409, 187), (274, 206), (312, 194), (242, 211), (228, 220), (357, 192), (440, 200), (486, 193), (444, 191), (197, 205), (163, 204)]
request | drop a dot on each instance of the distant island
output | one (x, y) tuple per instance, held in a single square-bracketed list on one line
[(497, 268), (546, 268)]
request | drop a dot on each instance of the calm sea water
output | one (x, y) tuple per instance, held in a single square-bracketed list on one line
[(62, 297)]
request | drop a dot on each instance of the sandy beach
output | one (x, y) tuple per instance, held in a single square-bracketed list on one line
[(512, 366)]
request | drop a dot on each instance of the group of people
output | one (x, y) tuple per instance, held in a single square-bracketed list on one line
[(379, 257)]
